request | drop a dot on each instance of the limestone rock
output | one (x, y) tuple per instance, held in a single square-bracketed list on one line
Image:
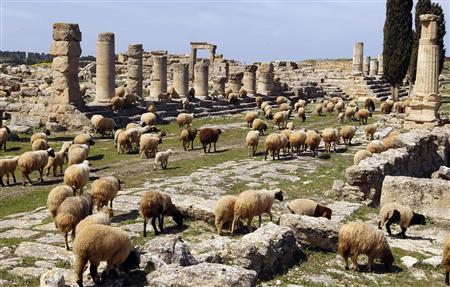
[(28, 272), (409, 261), (195, 207), (52, 278), (211, 250), (443, 172), (43, 251), (434, 261)]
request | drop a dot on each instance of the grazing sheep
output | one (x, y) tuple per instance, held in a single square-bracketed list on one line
[(284, 139), (264, 105), (224, 211), (120, 91), (341, 116), (318, 109), (8, 167), (360, 156), (363, 116), (259, 125), (375, 146), (251, 203), (309, 207), (43, 136), (184, 119), (350, 113), (280, 100), (273, 145), (330, 107), (386, 107), (162, 157), (134, 135), (446, 260), (123, 142), (284, 107), (233, 98), (280, 119), (330, 136), (290, 126), (313, 141), (268, 113), (392, 141), (104, 190), (163, 97), (297, 142), (251, 141), (155, 204), (70, 212), (369, 104), (357, 238), (242, 93), (250, 117), (117, 103), (301, 113), (149, 119), (56, 196), (39, 144), (134, 126), (77, 176), (34, 160), (58, 160), (102, 217), (399, 107), (353, 104), (208, 136), (258, 101), (148, 144), (347, 134), (340, 106), (77, 153), (370, 130), (84, 139), (397, 213), (105, 126), (188, 136), (95, 119), (97, 243), (185, 104), (302, 103), (130, 100)]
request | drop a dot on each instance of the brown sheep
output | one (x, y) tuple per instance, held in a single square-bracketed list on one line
[(39, 144), (259, 125), (250, 117), (347, 134), (117, 103), (363, 116), (297, 142), (188, 136), (375, 146), (386, 108), (313, 140), (370, 130), (360, 156), (273, 145), (330, 136), (258, 101), (309, 207), (330, 107), (369, 104), (280, 100), (318, 109), (208, 136)]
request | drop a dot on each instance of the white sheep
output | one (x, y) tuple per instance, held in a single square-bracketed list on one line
[(104, 190), (4, 132), (56, 196), (184, 119), (163, 158), (77, 154), (77, 176), (8, 167), (34, 160), (58, 160), (224, 211), (252, 140)]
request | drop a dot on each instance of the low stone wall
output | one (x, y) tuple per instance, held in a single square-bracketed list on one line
[(421, 153)]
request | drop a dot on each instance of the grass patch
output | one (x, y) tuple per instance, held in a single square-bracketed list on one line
[(17, 281)]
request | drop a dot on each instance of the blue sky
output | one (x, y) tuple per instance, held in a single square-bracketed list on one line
[(243, 30)]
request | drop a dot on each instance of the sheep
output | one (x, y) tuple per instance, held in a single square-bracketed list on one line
[(302, 103), (363, 116), (105, 125), (130, 100), (272, 145), (360, 156), (280, 100), (284, 137), (84, 139), (133, 126), (233, 98), (392, 141), (370, 130), (264, 105), (77, 154), (330, 136), (353, 104), (173, 93), (280, 119), (290, 126), (185, 104), (313, 141), (56, 196), (163, 97), (95, 119), (97, 243), (155, 204), (102, 217), (268, 113), (104, 190), (369, 104), (341, 116), (191, 93), (184, 119), (224, 211), (134, 135), (259, 125), (446, 260), (242, 93), (120, 91), (149, 119), (162, 157), (330, 107), (318, 109), (251, 141), (208, 136), (386, 107), (43, 136), (77, 176), (301, 113), (399, 107), (347, 134), (148, 144), (117, 103), (375, 146), (251, 203), (397, 213), (284, 107), (123, 142), (151, 108), (357, 238), (258, 101), (309, 207), (58, 160), (8, 167), (188, 136), (340, 106), (70, 212), (39, 144), (250, 117), (34, 160), (350, 113), (297, 141)]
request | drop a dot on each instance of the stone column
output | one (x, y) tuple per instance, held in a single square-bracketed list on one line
[(235, 81), (265, 80), (105, 69), (66, 51), (358, 54), (380, 65), (423, 111), (212, 57), (134, 67), (250, 79), (219, 84), (373, 67), (192, 62), (181, 79), (366, 66), (201, 80), (158, 83)]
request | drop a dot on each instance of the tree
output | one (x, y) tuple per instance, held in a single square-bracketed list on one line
[(397, 42), (436, 9)]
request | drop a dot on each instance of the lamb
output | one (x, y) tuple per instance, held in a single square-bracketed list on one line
[(77, 154), (84, 139), (258, 101), (70, 212), (369, 104), (184, 119), (280, 119), (149, 119), (397, 213), (8, 167), (43, 136), (386, 107), (117, 103), (56, 196), (446, 260), (370, 130), (297, 141), (148, 144), (250, 117), (251, 141), (155, 204), (330, 107), (251, 203), (102, 217), (208, 136), (375, 146), (58, 160), (357, 238), (347, 134), (162, 157), (34, 160), (105, 125), (188, 136), (360, 156), (39, 144), (301, 113), (273, 145), (318, 109), (309, 207), (363, 116), (313, 141), (104, 190), (224, 211), (330, 136), (97, 243), (77, 176)]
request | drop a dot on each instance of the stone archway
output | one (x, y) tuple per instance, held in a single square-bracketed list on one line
[(193, 58)]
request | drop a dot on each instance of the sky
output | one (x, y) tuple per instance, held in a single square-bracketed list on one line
[(245, 30)]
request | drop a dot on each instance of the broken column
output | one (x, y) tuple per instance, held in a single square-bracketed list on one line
[(380, 65), (192, 62), (366, 66), (373, 67), (158, 83), (358, 50), (219, 84), (201, 80), (66, 51), (426, 100), (134, 67), (249, 79), (235, 81), (265, 80), (105, 69), (181, 79)]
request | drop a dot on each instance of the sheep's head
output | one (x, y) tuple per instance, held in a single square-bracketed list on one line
[(142, 124), (51, 152), (387, 258), (177, 217), (91, 141), (154, 129), (47, 132), (132, 261), (418, 219), (162, 134), (264, 127), (278, 194)]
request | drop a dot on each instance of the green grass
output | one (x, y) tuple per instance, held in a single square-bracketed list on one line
[(17, 281), (26, 202)]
